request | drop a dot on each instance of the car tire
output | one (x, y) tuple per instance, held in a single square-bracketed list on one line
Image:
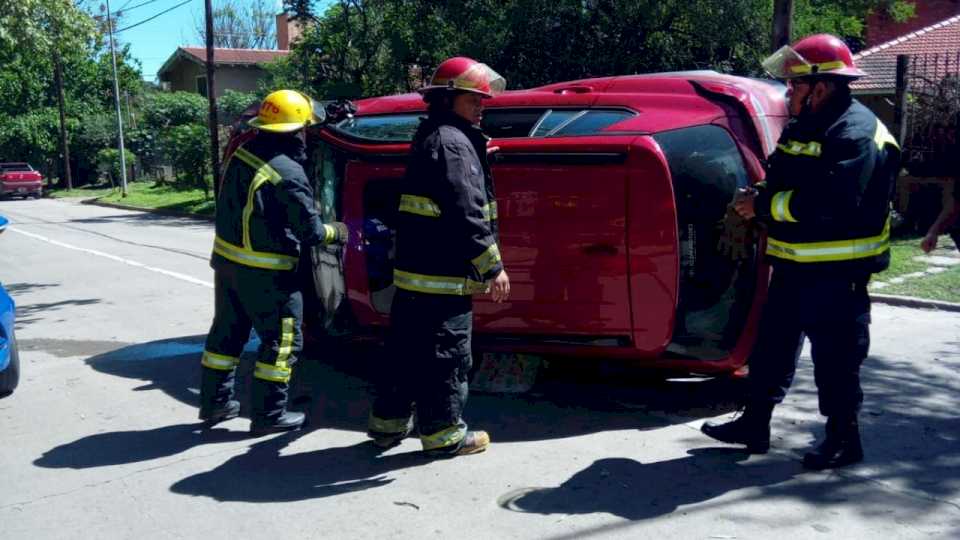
[(10, 377)]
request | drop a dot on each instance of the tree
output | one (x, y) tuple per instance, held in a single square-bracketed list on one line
[(239, 27)]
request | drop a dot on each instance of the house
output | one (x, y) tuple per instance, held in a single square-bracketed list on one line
[(881, 27), (237, 69), (934, 49), (931, 80)]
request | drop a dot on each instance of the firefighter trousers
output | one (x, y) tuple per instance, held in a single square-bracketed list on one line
[(426, 367), (271, 303), (834, 313)]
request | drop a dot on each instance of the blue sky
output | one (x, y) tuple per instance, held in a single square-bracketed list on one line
[(154, 41)]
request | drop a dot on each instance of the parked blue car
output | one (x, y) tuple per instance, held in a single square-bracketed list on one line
[(9, 360)]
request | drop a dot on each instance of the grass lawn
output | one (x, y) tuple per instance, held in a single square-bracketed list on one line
[(85, 192), (943, 286), (163, 197)]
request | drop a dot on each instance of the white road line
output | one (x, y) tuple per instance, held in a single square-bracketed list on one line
[(175, 275)]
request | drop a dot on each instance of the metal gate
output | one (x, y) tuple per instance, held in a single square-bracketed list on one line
[(931, 114)]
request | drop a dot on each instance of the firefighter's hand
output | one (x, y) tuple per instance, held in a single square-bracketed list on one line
[(929, 242), (736, 235), (500, 287), (492, 150), (744, 205), (341, 232)]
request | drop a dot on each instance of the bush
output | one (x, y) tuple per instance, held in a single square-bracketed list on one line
[(232, 104), (188, 147), (108, 162)]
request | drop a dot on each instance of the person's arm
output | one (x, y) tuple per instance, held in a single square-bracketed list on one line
[(948, 216), (830, 194), (465, 197), (296, 196)]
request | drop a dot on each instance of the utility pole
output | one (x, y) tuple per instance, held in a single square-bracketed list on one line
[(782, 23), (64, 144), (116, 101), (212, 102)]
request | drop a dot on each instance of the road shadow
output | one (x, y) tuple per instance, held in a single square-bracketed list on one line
[(265, 474), (635, 491), (331, 383), (122, 447)]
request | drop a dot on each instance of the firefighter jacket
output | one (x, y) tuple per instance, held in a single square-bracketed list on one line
[(826, 199), (266, 208), (447, 219)]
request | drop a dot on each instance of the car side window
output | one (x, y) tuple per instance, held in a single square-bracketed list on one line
[(554, 119), (510, 123), (591, 122), (384, 128)]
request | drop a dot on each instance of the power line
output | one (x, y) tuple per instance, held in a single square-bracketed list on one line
[(125, 8), (134, 25)]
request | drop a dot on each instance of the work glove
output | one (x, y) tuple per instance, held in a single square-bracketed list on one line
[(341, 233), (736, 236)]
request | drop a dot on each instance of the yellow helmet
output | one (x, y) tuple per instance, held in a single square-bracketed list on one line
[(284, 111)]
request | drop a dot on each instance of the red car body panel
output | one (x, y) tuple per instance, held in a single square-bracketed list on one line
[(20, 179), (588, 223)]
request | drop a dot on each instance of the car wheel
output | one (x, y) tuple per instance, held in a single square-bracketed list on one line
[(10, 377)]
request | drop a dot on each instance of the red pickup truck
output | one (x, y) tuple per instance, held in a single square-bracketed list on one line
[(20, 179)]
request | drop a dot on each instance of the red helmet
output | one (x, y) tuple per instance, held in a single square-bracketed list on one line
[(820, 54), (462, 73)]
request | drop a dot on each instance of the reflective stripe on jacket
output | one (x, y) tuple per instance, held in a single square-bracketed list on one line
[(266, 208), (827, 196), (447, 214)]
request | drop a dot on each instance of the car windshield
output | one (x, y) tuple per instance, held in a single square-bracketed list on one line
[(15, 167)]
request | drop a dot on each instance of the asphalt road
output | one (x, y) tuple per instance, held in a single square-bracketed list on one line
[(101, 438)]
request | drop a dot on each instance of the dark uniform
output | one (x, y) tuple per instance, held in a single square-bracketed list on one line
[(446, 251), (826, 202), (265, 214)]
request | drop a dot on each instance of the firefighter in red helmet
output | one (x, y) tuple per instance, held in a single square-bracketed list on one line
[(446, 251), (826, 206)]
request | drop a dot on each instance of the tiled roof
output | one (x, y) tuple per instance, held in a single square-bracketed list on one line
[(880, 62), (235, 56)]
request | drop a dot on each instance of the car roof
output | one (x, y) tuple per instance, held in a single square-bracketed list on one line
[(665, 100)]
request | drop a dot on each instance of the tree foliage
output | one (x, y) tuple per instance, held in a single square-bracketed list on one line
[(32, 34), (188, 148), (369, 47), (247, 25)]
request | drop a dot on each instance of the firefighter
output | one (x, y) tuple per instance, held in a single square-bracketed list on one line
[(826, 206), (266, 216), (446, 251)]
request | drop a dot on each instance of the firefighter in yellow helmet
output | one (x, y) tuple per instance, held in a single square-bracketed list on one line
[(446, 251), (266, 216), (826, 206)]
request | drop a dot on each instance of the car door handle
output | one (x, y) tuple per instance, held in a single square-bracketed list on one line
[(601, 249)]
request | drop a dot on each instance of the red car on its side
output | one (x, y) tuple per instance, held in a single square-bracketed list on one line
[(609, 195), (20, 179)]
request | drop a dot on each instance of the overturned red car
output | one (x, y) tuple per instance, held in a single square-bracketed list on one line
[(610, 192)]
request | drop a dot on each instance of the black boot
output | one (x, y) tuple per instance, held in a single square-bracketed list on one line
[(751, 429), (288, 421), (841, 447), (216, 396), (270, 414), (219, 413)]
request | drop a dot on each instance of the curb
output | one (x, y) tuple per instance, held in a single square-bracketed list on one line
[(911, 302), (158, 211)]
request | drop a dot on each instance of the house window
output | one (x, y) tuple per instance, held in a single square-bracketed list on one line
[(202, 86)]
